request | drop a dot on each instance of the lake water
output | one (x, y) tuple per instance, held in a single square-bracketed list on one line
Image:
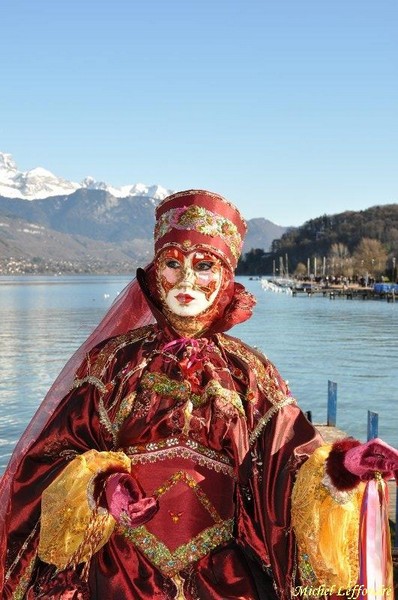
[(311, 340)]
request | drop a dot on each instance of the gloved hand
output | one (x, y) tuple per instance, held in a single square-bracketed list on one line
[(364, 460), (126, 502)]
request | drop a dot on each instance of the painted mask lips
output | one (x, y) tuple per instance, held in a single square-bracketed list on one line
[(184, 298)]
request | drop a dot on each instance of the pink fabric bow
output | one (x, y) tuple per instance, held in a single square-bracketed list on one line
[(193, 358), (364, 460), (177, 345), (372, 462)]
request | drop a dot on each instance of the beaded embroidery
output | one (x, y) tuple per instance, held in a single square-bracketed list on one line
[(267, 379), (170, 563), (161, 384), (286, 400), (181, 391), (92, 381), (125, 408), (20, 590), (214, 389), (198, 218), (21, 552)]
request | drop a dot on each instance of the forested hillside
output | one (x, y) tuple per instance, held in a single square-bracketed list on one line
[(349, 244)]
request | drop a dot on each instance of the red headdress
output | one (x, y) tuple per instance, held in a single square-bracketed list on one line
[(200, 218)]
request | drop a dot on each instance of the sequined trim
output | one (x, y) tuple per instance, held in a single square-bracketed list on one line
[(268, 416), (182, 448), (181, 391), (123, 412), (170, 563), (20, 590), (184, 477), (92, 381), (307, 574), (105, 420), (21, 551), (125, 407), (217, 197), (201, 220)]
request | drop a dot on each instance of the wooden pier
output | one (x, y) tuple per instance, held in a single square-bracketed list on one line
[(349, 293)]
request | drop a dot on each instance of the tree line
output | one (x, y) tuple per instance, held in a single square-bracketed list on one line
[(353, 244)]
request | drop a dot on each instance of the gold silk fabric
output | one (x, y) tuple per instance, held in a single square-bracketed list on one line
[(326, 525), (73, 527)]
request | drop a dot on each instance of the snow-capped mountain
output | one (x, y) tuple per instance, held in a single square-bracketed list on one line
[(39, 183), (49, 224), (30, 185), (156, 192)]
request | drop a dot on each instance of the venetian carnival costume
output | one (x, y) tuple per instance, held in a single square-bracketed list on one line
[(169, 460)]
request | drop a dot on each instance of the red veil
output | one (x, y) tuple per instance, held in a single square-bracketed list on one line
[(129, 311)]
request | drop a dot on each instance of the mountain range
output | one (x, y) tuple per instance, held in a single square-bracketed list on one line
[(50, 224), (39, 183)]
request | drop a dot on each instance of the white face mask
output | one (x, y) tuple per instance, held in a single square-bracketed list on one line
[(189, 282)]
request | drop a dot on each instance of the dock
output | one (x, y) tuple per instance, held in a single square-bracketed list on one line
[(347, 292)]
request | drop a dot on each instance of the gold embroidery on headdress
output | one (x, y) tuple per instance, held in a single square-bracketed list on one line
[(201, 220)]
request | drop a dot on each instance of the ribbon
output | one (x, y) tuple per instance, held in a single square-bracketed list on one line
[(193, 359), (375, 564), (180, 344)]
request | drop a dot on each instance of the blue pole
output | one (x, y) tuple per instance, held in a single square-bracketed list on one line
[(332, 404), (373, 425)]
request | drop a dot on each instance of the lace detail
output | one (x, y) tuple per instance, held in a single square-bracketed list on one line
[(257, 431), (184, 448)]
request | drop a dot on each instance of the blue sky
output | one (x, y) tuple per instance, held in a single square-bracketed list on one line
[(286, 107)]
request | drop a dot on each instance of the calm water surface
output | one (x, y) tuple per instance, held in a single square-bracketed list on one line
[(311, 340)]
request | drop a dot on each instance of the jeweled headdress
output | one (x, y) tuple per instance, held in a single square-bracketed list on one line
[(200, 218)]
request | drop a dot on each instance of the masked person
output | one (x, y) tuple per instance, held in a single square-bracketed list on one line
[(163, 460)]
